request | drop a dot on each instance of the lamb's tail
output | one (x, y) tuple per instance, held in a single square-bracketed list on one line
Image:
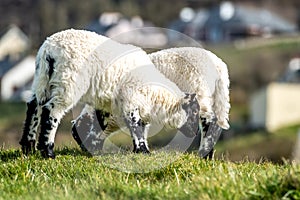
[(221, 104), (43, 72)]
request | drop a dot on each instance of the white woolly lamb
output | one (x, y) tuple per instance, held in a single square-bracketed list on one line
[(76, 65), (198, 70), (193, 70)]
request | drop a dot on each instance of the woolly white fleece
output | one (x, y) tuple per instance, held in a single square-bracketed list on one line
[(95, 70), (157, 99), (87, 66), (200, 71)]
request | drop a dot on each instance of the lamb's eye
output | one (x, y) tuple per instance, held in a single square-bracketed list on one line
[(195, 112)]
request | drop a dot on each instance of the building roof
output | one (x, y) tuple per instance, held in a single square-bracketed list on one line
[(229, 21)]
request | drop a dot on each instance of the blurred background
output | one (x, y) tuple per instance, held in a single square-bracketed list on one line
[(258, 39)]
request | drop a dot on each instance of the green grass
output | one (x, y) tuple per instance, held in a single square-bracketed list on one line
[(73, 175)]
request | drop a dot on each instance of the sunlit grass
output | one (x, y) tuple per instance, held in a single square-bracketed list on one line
[(74, 175)]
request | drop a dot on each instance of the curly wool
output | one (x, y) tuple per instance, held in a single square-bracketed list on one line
[(200, 71), (87, 67), (157, 98), (80, 66), (193, 70)]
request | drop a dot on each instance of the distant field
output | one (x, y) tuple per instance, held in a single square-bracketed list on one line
[(73, 175), (253, 63)]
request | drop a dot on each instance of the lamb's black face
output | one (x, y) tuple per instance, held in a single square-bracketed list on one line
[(191, 107)]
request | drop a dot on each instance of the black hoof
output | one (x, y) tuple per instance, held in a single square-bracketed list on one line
[(47, 151), (210, 155), (28, 147), (142, 149)]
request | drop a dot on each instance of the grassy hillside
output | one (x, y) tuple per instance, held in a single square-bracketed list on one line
[(73, 175)]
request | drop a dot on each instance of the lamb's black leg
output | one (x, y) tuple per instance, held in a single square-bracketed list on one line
[(52, 113), (102, 118), (28, 140), (87, 130), (138, 132), (45, 145), (81, 128)]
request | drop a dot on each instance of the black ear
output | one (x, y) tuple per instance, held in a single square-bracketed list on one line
[(189, 98), (190, 103)]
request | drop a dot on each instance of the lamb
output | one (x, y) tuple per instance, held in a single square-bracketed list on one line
[(193, 70), (79, 66), (201, 71)]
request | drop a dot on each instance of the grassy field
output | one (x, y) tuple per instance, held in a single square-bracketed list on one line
[(73, 175)]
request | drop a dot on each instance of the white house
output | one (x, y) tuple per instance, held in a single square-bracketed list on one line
[(276, 106), (16, 77), (15, 70)]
